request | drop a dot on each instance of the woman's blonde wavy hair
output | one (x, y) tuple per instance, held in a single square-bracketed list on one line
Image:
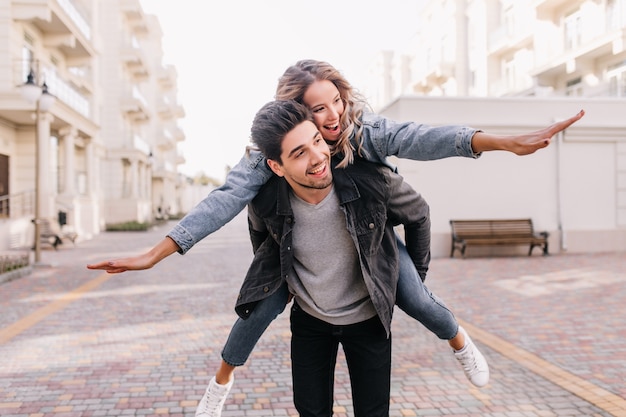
[(296, 80)]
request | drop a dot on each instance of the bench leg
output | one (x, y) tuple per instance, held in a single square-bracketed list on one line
[(461, 249), (545, 248)]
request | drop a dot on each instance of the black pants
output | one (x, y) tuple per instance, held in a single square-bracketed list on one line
[(314, 346)]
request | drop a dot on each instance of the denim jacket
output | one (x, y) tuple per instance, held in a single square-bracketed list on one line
[(381, 138), (374, 199)]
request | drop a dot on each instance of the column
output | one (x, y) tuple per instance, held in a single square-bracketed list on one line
[(69, 139), (134, 178), (92, 167), (46, 193)]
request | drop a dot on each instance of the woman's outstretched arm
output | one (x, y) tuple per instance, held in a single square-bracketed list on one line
[(523, 144), (146, 260)]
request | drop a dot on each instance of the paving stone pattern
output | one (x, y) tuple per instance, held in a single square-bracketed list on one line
[(75, 342)]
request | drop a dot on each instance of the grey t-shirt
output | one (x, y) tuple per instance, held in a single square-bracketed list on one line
[(327, 283)]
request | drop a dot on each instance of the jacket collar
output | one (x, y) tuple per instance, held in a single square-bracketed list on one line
[(344, 184), (345, 187)]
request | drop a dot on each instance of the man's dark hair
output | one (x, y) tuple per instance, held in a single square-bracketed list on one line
[(272, 123)]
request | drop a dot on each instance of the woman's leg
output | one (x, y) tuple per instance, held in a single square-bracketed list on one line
[(246, 333), (242, 338), (417, 301)]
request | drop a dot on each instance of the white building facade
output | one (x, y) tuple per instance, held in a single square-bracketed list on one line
[(507, 66), (107, 147)]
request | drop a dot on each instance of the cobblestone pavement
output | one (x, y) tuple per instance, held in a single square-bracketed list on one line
[(75, 342)]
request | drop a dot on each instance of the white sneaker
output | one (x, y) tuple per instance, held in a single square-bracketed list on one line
[(473, 362), (213, 400)]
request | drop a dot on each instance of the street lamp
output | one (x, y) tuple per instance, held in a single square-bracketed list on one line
[(36, 94), (43, 100)]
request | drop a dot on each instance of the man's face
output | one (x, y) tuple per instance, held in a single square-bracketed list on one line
[(305, 163)]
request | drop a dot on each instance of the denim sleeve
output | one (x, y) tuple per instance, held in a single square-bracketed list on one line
[(409, 140), (408, 208), (242, 184)]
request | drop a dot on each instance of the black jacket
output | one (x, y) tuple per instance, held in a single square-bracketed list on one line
[(374, 200)]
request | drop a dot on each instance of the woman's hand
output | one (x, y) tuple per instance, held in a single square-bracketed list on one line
[(524, 144), (136, 263)]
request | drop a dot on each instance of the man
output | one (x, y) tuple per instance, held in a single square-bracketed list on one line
[(328, 234)]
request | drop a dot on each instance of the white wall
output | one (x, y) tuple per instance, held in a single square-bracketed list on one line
[(571, 186)]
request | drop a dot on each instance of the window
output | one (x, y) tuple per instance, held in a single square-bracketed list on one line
[(509, 74), (573, 29), (28, 58), (617, 80), (508, 20), (615, 14), (574, 87)]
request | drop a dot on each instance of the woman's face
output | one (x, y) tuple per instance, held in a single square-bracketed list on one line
[(324, 101)]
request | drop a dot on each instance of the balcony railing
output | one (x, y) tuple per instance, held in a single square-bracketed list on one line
[(57, 85), (66, 93), (77, 18)]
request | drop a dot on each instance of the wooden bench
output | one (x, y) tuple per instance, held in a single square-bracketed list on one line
[(50, 233), (492, 232)]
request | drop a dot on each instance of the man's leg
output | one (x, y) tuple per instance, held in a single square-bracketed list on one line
[(313, 358), (368, 355)]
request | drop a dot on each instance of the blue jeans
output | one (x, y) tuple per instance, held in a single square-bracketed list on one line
[(416, 300), (246, 333), (314, 346), (412, 296)]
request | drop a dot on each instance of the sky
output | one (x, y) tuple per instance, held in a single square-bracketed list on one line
[(229, 55)]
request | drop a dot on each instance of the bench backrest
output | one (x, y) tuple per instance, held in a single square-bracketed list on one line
[(464, 229), (48, 227)]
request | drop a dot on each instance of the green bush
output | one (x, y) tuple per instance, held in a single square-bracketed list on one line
[(132, 226), (176, 216), (10, 263)]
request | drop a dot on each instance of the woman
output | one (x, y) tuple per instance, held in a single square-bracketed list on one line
[(339, 113)]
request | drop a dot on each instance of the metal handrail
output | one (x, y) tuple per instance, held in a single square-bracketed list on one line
[(17, 205)]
